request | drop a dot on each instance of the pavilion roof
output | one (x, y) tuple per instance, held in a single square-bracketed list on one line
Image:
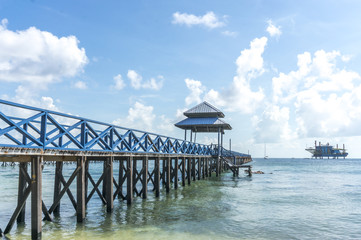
[(202, 124), (204, 109)]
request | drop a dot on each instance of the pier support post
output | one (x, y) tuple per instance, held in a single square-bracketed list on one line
[(163, 171), (81, 202), (206, 170), (183, 171), (145, 177), (57, 184), (157, 176), (199, 168), (36, 200), (167, 182), (109, 184), (203, 165), (193, 169), (23, 167), (176, 172), (130, 180), (121, 178), (189, 170)]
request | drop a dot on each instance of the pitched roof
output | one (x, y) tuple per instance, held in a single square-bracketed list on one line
[(202, 124), (204, 109)]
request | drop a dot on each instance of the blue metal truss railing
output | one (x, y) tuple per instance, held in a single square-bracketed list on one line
[(228, 153), (29, 127)]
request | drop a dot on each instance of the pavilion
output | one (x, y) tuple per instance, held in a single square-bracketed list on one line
[(204, 118)]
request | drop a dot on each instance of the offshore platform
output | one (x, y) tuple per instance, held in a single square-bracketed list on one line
[(321, 151)]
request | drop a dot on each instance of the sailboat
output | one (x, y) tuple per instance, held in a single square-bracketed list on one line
[(265, 152)]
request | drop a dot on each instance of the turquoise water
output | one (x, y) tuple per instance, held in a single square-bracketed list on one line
[(294, 199)]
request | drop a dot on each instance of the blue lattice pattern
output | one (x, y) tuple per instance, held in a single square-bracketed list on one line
[(23, 126)]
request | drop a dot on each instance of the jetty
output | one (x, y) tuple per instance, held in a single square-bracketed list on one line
[(35, 138)]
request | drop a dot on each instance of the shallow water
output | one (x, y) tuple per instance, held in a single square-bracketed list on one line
[(294, 199)]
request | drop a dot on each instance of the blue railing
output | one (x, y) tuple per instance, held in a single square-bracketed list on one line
[(23, 126)]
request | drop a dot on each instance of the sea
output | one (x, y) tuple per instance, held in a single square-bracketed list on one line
[(293, 199)]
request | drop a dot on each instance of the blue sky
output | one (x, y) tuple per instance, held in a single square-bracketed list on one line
[(285, 72)]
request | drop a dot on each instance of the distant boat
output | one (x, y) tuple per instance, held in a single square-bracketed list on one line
[(265, 152), (327, 150)]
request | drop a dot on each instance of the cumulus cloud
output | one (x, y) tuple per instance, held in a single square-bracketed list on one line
[(80, 85), (142, 117), (38, 57), (136, 81), (119, 83), (325, 100), (274, 31), (209, 20), (229, 33), (139, 117), (240, 96), (273, 125), (196, 90)]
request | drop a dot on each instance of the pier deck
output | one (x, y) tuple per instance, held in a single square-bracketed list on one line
[(33, 137)]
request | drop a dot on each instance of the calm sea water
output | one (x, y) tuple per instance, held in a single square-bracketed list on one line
[(294, 199)]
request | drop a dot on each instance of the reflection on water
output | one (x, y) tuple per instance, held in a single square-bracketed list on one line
[(301, 199)]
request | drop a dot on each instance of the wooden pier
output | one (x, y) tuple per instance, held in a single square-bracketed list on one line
[(134, 179), (146, 160)]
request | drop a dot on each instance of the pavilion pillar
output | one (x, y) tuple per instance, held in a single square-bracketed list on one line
[(218, 152)]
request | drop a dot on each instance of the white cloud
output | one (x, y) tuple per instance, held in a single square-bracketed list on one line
[(239, 96), (229, 33), (274, 31), (139, 117), (38, 57), (196, 90), (273, 125), (118, 82), (325, 101), (26, 95), (142, 117), (209, 20), (80, 85), (136, 81)]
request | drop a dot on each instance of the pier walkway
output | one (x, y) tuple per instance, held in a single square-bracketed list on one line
[(32, 137)]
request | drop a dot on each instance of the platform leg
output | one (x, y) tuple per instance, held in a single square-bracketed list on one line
[(80, 192), (36, 200), (109, 183), (183, 171), (130, 180), (167, 182), (145, 178), (176, 173), (157, 176), (21, 190)]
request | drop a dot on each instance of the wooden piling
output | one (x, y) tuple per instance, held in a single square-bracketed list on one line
[(175, 173), (203, 168), (23, 168), (199, 169), (36, 200), (157, 176), (189, 170), (130, 180), (167, 182), (193, 168), (57, 183), (183, 171), (81, 202), (109, 184), (145, 177), (121, 178)]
